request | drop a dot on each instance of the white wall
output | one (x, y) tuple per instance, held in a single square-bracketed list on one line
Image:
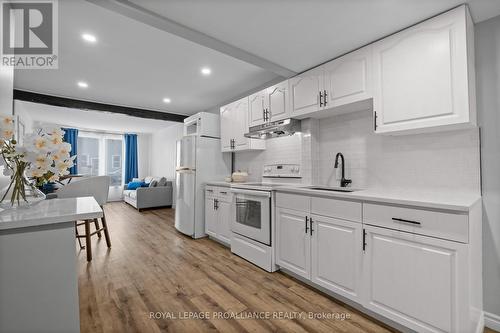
[(488, 103), (163, 152), (442, 161), (22, 112), (6, 89)]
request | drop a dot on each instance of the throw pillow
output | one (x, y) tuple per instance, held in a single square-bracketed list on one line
[(162, 181), (135, 185), (153, 183)]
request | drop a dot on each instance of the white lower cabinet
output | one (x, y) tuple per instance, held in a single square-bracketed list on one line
[(418, 267), (210, 216), (224, 221), (323, 249), (218, 201), (293, 241), (336, 255), (414, 280)]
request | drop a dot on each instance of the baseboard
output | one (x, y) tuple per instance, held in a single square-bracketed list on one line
[(492, 321)]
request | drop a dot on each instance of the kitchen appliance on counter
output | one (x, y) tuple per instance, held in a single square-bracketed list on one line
[(253, 220), (198, 160)]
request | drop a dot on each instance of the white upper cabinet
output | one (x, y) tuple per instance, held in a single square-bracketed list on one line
[(256, 109), (348, 79), (234, 124), (240, 124), (226, 127), (277, 102), (424, 76), (340, 82), (304, 92), (270, 104)]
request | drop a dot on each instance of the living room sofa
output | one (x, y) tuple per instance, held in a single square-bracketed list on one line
[(158, 193)]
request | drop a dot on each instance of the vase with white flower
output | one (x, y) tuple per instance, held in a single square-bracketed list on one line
[(43, 158)]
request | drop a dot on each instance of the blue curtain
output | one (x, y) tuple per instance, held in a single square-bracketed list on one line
[(130, 157), (71, 137)]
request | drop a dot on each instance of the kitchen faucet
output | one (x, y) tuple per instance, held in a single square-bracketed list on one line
[(343, 182)]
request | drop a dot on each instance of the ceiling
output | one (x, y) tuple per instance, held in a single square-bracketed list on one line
[(300, 34), (136, 64), (133, 64), (89, 119)]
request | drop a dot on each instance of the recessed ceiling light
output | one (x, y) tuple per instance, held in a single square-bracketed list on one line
[(89, 38), (166, 100), (82, 84), (206, 71)]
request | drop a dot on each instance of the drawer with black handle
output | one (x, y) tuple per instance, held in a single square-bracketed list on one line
[(435, 223)]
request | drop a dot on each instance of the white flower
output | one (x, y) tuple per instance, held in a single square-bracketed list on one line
[(36, 173), (56, 140), (42, 161), (64, 148), (61, 167), (39, 143)]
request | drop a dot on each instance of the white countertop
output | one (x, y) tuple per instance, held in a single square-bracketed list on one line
[(219, 183), (51, 212), (456, 201)]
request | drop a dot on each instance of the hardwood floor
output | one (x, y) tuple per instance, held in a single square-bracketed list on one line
[(151, 268)]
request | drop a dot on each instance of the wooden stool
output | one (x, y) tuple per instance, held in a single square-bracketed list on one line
[(88, 234)]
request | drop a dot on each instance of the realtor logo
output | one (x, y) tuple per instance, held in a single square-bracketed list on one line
[(29, 34)]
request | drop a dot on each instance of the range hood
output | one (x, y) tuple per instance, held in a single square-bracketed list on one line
[(274, 129)]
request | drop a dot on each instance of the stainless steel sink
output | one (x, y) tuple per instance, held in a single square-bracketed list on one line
[(333, 189)]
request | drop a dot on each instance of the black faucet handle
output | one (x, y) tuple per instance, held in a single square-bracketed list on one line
[(345, 182)]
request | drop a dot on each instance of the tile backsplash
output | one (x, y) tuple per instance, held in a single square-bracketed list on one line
[(447, 160), (286, 150)]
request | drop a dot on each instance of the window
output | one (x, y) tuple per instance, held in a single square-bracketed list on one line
[(88, 156), (101, 154), (113, 160)]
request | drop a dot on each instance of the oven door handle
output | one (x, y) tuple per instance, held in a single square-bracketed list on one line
[(264, 194)]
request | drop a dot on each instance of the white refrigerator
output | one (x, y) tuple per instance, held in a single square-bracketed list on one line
[(199, 159)]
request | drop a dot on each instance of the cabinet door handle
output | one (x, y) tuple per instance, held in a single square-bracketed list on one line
[(307, 227), (311, 228), (264, 114), (216, 204), (364, 240), (405, 221), (325, 100), (210, 190), (320, 99), (267, 114), (223, 192), (375, 120)]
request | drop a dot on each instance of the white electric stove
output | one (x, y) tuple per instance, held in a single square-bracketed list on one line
[(253, 220)]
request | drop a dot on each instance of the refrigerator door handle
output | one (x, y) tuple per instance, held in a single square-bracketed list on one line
[(180, 169)]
